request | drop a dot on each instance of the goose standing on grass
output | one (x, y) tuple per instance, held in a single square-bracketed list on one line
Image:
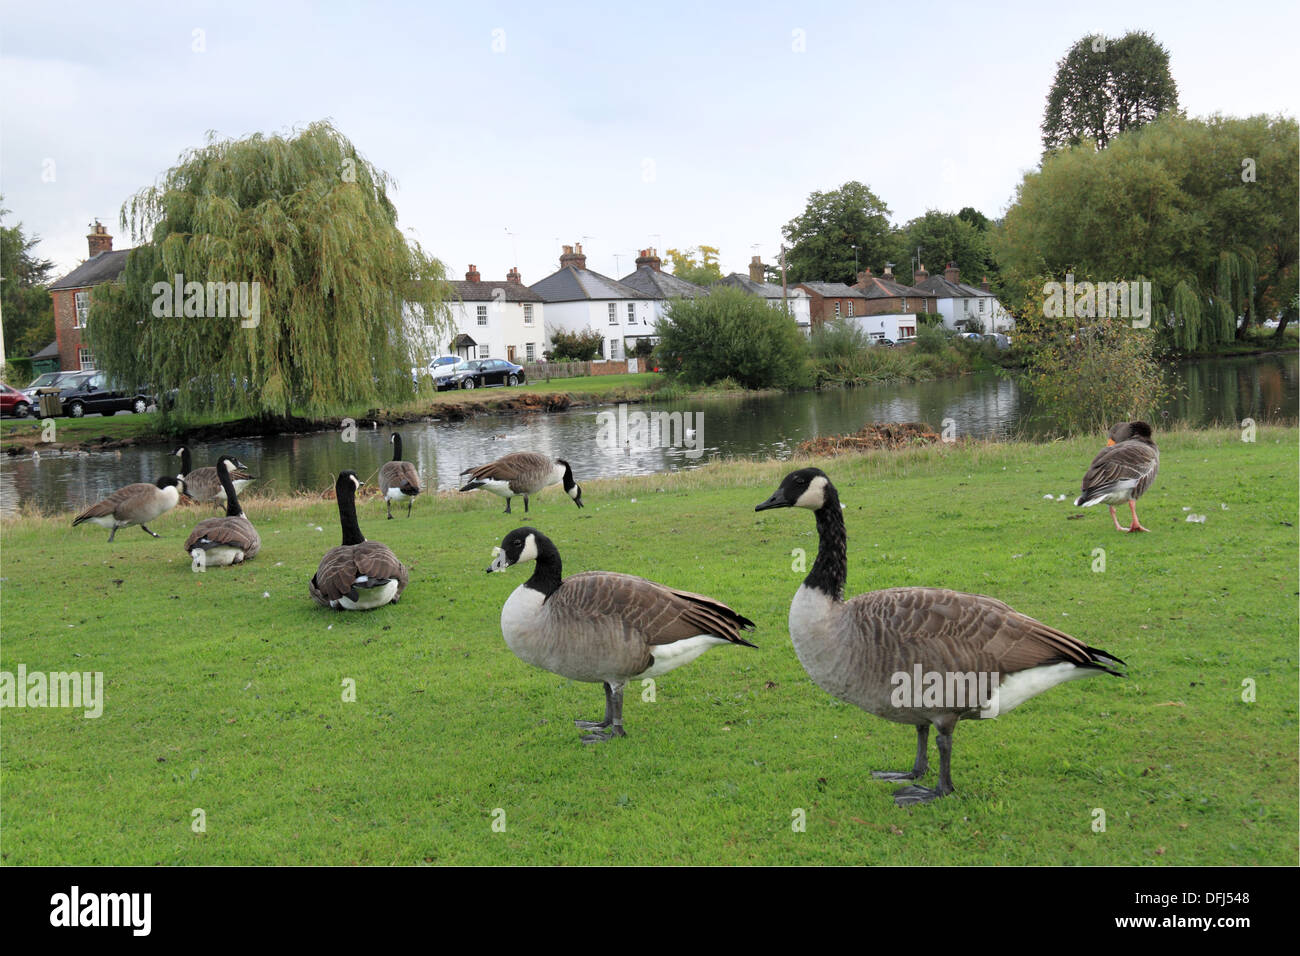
[(602, 627), (874, 650), (203, 484), (228, 540), (523, 473), (398, 480), (358, 575), (1122, 471), (135, 504)]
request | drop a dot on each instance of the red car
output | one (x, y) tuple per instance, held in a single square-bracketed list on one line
[(14, 403)]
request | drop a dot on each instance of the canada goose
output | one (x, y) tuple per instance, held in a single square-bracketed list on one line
[(135, 504), (358, 575), (984, 657), (602, 627), (1122, 471), (202, 484), (398, 479), (228, 540), (523, 473)]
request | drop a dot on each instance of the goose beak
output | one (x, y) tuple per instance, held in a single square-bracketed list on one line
[(499, 561), (778, 500), (1109, 442)]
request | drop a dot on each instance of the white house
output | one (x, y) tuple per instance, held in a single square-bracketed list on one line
[(493, 320), (578, 299), (961, 304), (661, 286)]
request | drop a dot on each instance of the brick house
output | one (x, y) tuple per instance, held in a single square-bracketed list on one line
[(886, 296), (72, 293), (833, 300)]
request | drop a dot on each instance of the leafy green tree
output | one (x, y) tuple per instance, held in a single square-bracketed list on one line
[(25, 305), (1104, 87), (306, 224), (575, 346), (1205, 210), (703, 271), (941, 238), (730, 334), (822, 240)]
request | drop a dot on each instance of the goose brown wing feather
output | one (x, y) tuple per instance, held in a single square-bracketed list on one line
[(109, 505), (1132, 460), (950, 631), (341, 567), (398, 474), (656, 614), (510, 467), (236, 532)]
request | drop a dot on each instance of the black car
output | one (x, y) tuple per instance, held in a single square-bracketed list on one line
[(478, 373), (95, 394)]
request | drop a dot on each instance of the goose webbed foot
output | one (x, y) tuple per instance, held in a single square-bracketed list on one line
[(147, 531), (591, 724), (910, 796), (601, 736), (897, 774), (609, 713)]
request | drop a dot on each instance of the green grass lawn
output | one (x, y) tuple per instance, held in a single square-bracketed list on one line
[(224, 690)]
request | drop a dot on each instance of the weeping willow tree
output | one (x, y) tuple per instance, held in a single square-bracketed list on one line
[(1203, 209), (271, 278)]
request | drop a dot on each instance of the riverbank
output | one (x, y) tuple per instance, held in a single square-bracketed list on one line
[(227, 691)]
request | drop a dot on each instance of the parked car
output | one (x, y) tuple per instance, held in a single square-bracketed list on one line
[(886, 343), (905, 340), (53, 380), (97, 394), (478, 373), (970, 336), (14, 403), (443, 363)]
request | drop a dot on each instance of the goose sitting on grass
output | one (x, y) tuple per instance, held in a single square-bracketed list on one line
[(358, 575), (230, 539)]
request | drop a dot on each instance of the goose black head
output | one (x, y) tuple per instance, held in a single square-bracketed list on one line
[(805, 488), (348, 480), (519, 545), (571, 487), (171, 481)]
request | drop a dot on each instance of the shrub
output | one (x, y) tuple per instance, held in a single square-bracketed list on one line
[(732, 334), (575, 346), (932, 339), (839, 339)]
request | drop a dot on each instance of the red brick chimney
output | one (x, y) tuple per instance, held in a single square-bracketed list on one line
[(649, 257), (573, 257), (513, 276), (472, 275), (984, 284), (921, 275), (952, 274), (864, 279), (756, 269), (99, 240)]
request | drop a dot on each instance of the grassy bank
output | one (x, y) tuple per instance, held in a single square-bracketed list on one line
[(224, 689)]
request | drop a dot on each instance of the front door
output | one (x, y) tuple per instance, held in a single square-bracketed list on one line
[(510, 354)]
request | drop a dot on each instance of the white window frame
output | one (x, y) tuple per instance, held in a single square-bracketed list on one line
[(85, 359), (528, 313), (613, 314), (850, 308), (483, 351), (481, 312), (631, 313), (837, 308), (81, 308), (530, 351), (613, 349)]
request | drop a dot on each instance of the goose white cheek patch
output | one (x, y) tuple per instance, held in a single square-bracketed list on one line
[(815, 496)]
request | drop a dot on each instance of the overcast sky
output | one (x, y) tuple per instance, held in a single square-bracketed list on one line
[(616, 125)]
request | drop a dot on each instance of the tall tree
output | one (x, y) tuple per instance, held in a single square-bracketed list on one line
[(304, 227), (1104, 87), (698, 264), (1204, 210), (822, 240), (939, 238), (25, 305)]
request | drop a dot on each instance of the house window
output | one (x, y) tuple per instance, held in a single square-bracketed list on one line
[(482, 351), (83, 310), (482, 319), (86, 360), (528, 314), (925, 306), (613, 314), (850, 308), (981, 306), (613, 348), (837, 308), (904, 303), (530, 352), (631, 313), (906, 330)]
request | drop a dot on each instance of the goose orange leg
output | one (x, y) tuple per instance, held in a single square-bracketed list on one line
[(1136, 525), (1114, 518)]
